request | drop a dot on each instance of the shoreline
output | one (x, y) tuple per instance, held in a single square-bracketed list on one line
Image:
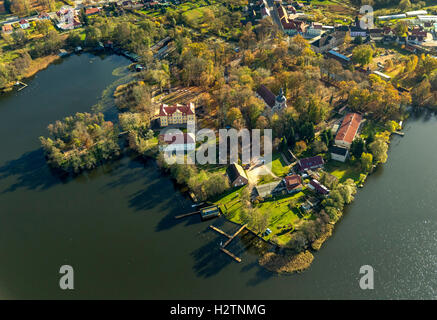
[(37, 65)]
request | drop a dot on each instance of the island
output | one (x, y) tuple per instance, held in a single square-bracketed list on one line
[(332, 90)]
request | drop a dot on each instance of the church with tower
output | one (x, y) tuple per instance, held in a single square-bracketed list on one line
[(275, 103)]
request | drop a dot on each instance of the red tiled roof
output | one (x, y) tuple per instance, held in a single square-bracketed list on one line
[(290, 24), (292, 182), (23, 21), (89, 11), (7, 27), (166, 110), (349, 127)]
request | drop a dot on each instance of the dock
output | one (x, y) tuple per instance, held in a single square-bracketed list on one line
[(231, 255), (234, 235), (399, 133), (222, 248), (23, 85), (220, 231), (186, 215)]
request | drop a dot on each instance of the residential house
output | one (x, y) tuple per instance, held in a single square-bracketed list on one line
[(348, 130), (273, 188), (315, 185), (310, 203), (176, 114), (24, 24), (325, 43), (7, 28), (339, 153), (177, 142), (91, 11), (290, 26), (376, 34), (311, 163), (237, 176), (43, 16), (293, 183), (314, 30), (67, 19), (358, 32)]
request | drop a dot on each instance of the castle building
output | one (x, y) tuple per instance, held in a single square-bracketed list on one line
[(176, 114)]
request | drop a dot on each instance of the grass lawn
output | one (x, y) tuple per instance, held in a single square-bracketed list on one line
[(342, 171), (283, 220), (279, 167)]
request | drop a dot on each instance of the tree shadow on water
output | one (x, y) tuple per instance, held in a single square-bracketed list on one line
[(30, 171), (210, 260)]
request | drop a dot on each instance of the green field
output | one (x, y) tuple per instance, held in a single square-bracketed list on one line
[(343, 171), (279, 167), (283, 219)]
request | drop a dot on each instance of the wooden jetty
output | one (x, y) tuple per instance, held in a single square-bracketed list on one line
[(234, 235), (222, 248), (231, 254), (23, 85), (220, 231), (187, 214), (399, 133)]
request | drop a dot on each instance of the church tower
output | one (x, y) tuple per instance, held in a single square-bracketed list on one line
[(280, 101)]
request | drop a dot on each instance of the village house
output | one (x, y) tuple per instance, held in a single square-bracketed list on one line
[(311, 163), (237, 176), (7, 28), (315, 185), (348, 130), (67, 19), (325, 43), (310, 203), (293, 183), (290, 26), (339, 153), (176, 114), (91, 11), (43, 16), (24, 24), (376, 34), (272, 188), (176, 142), (315, 30)]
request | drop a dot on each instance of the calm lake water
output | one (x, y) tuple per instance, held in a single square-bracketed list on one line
[(115, 225)]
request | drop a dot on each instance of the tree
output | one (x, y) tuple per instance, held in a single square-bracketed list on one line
[(404, 5), (255, 219), (20, 7), (357, 147), (362, 54), (401, 28), (366, 162), (379, 149)]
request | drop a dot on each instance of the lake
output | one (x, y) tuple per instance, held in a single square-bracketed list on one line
[(115, 225)]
